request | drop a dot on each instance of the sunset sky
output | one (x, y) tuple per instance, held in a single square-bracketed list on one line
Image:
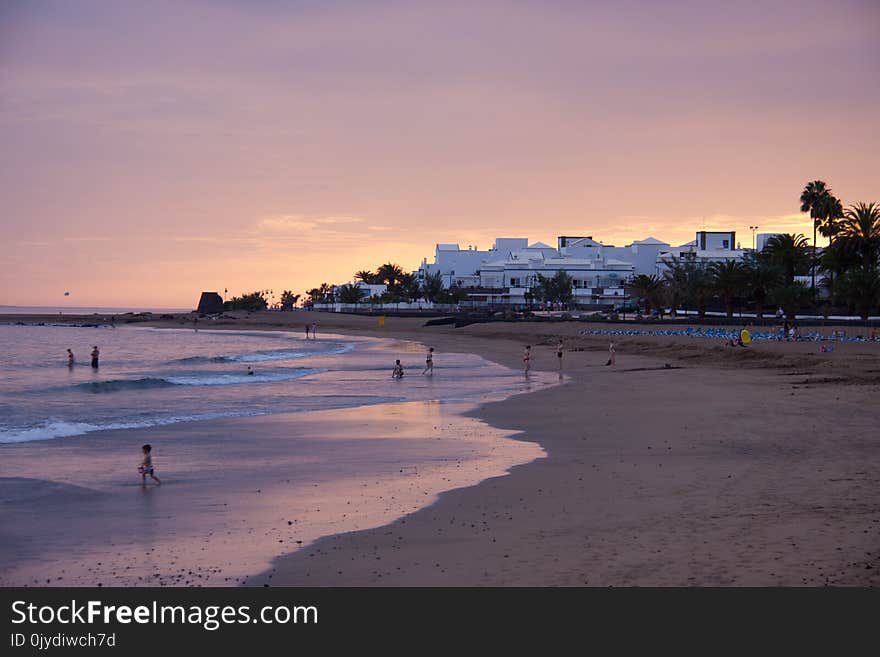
[(152, 150)]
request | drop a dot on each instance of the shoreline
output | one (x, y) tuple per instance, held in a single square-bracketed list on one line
[(628, 509), (734, 467), (415, 450)]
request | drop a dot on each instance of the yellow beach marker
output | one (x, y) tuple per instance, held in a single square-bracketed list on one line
[(745, 337), (382, 320)]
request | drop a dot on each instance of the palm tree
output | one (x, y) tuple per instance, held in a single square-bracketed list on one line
[(699, 288), (830, 214), (390, 274), (350, 293), (760, 278), (861, 227), (409, 287), (675, 278), (727, 278), (432, 286), (839, 256), (860, 288), (322, 294), (649, 288), (814, 199), (688, 281), (791, 297), (789, 252), (288, 300), (366, 276)]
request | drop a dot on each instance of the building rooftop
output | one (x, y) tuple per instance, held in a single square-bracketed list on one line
[(651, 240)]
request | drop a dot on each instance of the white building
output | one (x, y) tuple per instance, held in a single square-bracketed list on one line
[(507, 280), (505, 273), (706, 248), (461, 266), (642, 254), (762, 238)]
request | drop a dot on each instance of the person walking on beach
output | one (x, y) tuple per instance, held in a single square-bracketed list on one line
[(307, 331), (146, 466), (314, 331), (397, 373), (429, 362), (70, 359), (95, 355), (611, 352), (559, 354), (527, 359)]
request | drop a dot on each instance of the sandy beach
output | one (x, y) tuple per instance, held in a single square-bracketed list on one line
[(686, 463)]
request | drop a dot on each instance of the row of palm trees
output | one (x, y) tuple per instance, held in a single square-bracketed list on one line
[(400, 286), (851, 264)]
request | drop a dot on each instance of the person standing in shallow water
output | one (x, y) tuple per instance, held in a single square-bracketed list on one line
[(95, 355), (146, 466), (307, 331), (429, 362), (70, 359), (559, 354), (527, 359)]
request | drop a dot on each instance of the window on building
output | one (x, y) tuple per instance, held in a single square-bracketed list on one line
[(725, 244)]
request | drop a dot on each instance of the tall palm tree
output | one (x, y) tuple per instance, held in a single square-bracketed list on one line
[(761, 278), (830, 214), (648, 288), (861, 226), (727, 279), (789, 252), (814, 199)]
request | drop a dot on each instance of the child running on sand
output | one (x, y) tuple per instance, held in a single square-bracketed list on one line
[(527, 359), (429, 362), (398, 370), (146, 466)]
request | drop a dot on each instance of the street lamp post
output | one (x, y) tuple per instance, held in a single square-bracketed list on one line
[(753, 229)]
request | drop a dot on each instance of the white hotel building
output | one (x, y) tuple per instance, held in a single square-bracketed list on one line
[(507, 271)]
